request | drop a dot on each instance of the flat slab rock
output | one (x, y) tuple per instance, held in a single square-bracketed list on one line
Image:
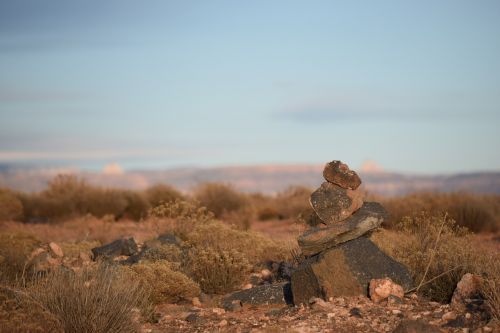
[(370, 216), (346, 270), (267, 294), (339, 173), (333, 203)]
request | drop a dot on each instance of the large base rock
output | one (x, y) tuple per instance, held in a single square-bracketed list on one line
[(346, 270), (367, 218), (333, 203)]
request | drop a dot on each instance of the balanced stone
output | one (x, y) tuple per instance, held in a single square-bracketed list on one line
[(370, 216), (346, 270), (338, 173), (333, 203)]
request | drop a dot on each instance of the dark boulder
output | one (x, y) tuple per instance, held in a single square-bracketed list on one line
[(345, 270), (120, 247)]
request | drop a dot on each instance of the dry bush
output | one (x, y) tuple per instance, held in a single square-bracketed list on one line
[(164, 282), (220, 198), (436, 245), (217, 271), (179, 217), (15, 249), (254, 246), (20, 313), (11, 208), (293, 201), (476, 212), (168, 252), (96, 300), (73, 250), (162, 193), (491, 288)]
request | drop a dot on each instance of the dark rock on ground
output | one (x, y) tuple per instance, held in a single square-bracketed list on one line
[(169, 239), (333, 203), (415, 326), (369, 217), (339, 173), (346, 270), (120, 247), (279, 293)]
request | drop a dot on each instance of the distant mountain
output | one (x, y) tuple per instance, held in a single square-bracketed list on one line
[(266, 179)]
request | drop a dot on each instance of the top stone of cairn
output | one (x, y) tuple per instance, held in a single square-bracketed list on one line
[(339, 173)]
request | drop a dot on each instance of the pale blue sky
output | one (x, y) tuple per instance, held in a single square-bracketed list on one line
[(413, 85)]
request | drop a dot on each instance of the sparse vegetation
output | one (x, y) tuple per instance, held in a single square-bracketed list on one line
[(217, 271), (219, 198), (96, 300), (164, 281), (11, 208), (20, 313), (15, 249)]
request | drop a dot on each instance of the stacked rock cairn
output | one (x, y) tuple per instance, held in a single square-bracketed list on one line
[(340, 259)]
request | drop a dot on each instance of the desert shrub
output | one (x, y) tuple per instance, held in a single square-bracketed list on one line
[(219, 198), (168, 252), (15, 249), (182, 216), (240, 219), (19, 313), (436, 239), (11, 207), (101, 202), (217, 271), (162, 193), (269, 213), (476, 212), (137, 205), (254, 246), (294, 200), (164, 282), (73, 250), (94, 300)]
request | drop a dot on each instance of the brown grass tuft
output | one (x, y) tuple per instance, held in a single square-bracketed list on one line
[(15, 249), (94, 300)]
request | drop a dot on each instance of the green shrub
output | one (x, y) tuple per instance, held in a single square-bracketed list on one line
[(219, 198), (19, 313), (11, 208), (164, 282), (96, 300), (217, 271)]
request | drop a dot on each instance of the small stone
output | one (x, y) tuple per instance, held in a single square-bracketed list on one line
[(196, 302), (218, 311), (396, 312), (339, 173), (469, 287), (222, 323), (247, 286), (487, 329), (414, 296), (450, 315), (380, 289), (192, 317), (266, 274), (56, 250), (465, 330), (330, 315), (234, 306), (355, 312), (426, 313), (468, 315)]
